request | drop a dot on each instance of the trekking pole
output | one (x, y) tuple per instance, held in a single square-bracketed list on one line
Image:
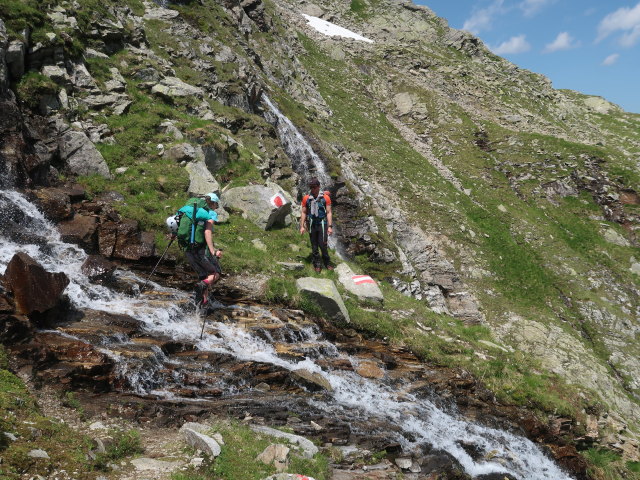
[(204, 321), (173, 237)]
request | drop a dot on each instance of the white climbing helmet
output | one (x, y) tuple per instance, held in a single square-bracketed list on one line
[(172, 224)]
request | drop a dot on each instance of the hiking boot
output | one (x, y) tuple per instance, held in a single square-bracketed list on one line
[(330, 267), (317, 269), (199, 297)]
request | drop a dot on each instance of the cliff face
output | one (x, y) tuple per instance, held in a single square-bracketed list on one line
[(458, 177)]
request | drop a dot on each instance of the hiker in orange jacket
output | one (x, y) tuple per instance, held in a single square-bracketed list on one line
[(317, 219)]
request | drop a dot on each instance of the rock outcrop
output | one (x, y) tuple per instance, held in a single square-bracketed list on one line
[(33, 288)]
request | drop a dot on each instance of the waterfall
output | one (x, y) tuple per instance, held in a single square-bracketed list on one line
[(419, 420), (304, 160)]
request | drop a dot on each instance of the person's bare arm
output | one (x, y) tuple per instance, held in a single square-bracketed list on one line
[(303, 219)]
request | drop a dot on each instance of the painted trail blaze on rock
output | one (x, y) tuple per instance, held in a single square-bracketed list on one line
[(362, 286), (360, 279), (278, 200)]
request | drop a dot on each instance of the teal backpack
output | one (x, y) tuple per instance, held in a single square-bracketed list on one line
[(188, 236)]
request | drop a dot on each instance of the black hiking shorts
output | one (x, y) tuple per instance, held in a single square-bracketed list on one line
[(203, 264)]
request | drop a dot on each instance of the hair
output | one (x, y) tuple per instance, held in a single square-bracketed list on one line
[(314, 182)]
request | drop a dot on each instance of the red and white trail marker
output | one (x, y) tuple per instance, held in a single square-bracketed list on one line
[(278, 200), (360, 279)]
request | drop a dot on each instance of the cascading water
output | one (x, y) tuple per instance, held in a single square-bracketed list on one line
[(418, 420), (304, 160)]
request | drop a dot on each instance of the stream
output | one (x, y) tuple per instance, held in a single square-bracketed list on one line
[(276, 342)]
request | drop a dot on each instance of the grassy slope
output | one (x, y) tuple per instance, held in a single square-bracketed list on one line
[(522, 247)]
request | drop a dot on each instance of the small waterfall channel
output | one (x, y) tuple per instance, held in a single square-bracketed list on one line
[(168, 313), (305, 162)]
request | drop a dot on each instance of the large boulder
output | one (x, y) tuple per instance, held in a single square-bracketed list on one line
[(81, 230), (34, 289), (54, 202), (125, 241), (266, 206), (80, 155), (200, 179), (362, 286), (324, 293)]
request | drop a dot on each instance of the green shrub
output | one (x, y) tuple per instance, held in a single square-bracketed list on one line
[(33, 86), (21, 14)]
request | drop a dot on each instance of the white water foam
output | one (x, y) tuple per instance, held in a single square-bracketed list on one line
[(360, 397)]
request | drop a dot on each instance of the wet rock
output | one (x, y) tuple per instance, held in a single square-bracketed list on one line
[(312, 380), (54, 202), (80, 230), (369, 370), (125, 241), (98, 268), (34, 289), (266, 206), (326, 295), (14, 329)]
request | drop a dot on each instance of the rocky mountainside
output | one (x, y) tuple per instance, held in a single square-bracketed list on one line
[(458, 178)]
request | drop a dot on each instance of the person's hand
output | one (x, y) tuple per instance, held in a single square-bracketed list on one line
[(302, 229), (330, 230), (218, 253)]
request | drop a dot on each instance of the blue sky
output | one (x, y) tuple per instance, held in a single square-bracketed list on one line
[(592, 46)]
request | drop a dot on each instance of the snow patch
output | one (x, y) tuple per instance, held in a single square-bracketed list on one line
[(331, 29)]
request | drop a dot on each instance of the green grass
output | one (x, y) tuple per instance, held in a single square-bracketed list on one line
[(125, 443), (21, 14), (238, 458), (19, 414), (33, 86)]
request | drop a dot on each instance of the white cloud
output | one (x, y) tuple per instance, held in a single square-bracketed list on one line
[(611, 59), (625, 20), (531, 7), (631, 38), (517, 44), (483, 18), (563, 41)]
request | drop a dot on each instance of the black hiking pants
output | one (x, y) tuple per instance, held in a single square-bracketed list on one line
[(318, 235)]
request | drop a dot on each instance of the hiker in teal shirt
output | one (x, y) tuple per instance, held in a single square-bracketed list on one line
[(197, 243)]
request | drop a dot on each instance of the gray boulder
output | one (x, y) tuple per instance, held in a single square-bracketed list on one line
[(80, 155), (81, 77), (201, 441), (15, 58), (266, 206), (200, 179), (326, 295), (174, 87), (308, 448), (362, 286), (183, 152)]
